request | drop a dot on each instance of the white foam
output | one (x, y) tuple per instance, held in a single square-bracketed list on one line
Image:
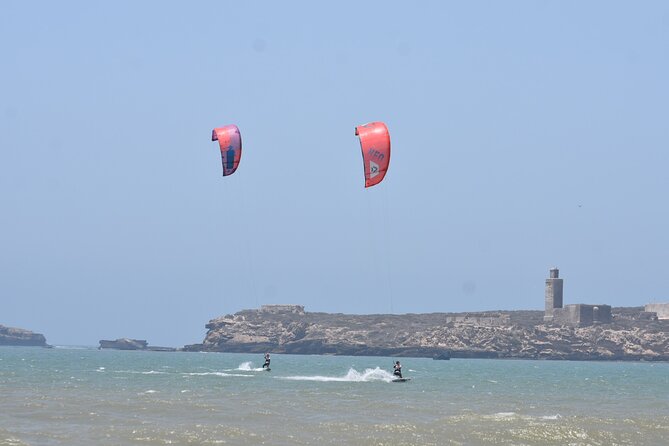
[(508, 415), (137, 372), (217, 374), (245, 366), (353, 375), (552, 417), (248, 367), (73, 347), (504, 415)]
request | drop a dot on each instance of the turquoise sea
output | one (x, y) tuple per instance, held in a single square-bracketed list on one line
[(85, 396)]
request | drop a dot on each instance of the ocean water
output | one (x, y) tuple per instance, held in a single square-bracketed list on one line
[(85, 396)]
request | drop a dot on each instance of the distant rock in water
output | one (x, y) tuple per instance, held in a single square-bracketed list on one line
[(21, 337), (124, 344), (133, 344), (499, 334)]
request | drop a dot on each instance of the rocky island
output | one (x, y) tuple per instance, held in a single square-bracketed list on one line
[(132, 344), (21, 337), (633, 334), (574, 331)]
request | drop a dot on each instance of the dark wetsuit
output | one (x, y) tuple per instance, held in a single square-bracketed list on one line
[(398, 370), (266, 364)]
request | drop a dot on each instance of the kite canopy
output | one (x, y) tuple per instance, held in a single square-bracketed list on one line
[(230, 142), (375, 144)]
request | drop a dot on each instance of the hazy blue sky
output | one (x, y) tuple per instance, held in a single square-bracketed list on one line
[(524, 135)]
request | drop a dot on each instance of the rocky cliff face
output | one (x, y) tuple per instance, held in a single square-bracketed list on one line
[(19, 336), (518, 334)]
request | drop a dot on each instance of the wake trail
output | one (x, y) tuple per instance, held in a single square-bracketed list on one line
[(368, 375), (248, 367)]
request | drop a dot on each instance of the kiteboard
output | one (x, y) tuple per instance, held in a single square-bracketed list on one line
[(401, 380), (267, 369)]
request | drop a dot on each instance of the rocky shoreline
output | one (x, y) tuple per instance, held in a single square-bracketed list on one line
[(631, 336), (20, 337)]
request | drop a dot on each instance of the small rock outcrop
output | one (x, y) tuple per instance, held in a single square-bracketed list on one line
[(132, 344), (21, 337), (124, 344), (512, 334)]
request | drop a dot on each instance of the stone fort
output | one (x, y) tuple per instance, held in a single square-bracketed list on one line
[(579, 315)]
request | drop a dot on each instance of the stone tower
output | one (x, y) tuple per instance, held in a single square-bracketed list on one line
[(553, 294)]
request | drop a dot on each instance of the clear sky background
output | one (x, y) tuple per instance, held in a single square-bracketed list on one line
[(525, 135)]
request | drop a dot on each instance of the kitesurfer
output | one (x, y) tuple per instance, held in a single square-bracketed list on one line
[(266, 364), (397, 369)]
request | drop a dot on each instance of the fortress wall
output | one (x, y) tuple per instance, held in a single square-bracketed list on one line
[(662, 310), (602, 314), (568, 315), (582, 314)]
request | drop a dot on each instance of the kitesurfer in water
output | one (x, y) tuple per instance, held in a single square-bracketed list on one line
[(397, 369), (266, 364)]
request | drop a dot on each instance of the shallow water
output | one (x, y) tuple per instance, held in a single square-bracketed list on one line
[(67, 396)]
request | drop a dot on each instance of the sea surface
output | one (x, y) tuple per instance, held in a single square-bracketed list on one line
[(85, 396)]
